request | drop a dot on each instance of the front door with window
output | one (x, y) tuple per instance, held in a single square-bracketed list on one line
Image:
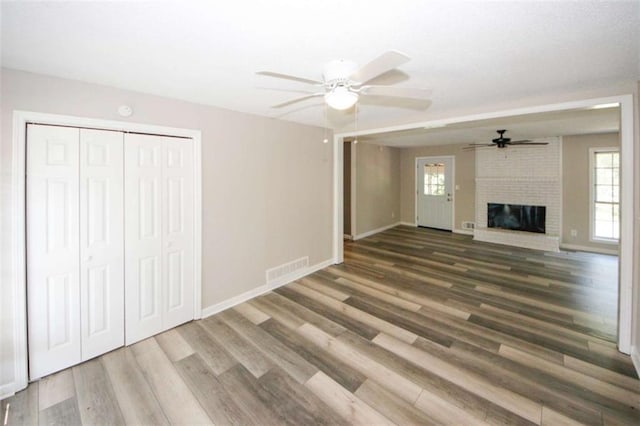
[(434, 195)]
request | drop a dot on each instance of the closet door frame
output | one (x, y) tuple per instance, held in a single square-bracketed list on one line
[(19, 261)]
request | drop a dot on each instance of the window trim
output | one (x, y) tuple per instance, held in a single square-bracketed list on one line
[(592, 205)]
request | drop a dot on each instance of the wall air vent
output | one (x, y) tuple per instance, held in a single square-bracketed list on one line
[(280, 273), (468, 225)]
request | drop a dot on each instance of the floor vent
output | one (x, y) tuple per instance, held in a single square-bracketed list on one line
[(468, 225), (286, 269)]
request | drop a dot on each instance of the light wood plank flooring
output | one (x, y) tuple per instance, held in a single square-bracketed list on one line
[(416, 327)]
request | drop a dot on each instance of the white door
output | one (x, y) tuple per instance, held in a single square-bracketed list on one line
[(177, 231), (53, 249), (434, 195), (101, 241), (158, 234), (143, 236)]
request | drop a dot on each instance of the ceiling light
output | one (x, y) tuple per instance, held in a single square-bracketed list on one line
[(435, 126), (341, 98), (603, 106)]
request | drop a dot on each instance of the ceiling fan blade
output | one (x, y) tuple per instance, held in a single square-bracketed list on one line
[(528, 143), (383, 63), (519, 141), (481, 144), (277, 89), (475, 146), (289, 77), (398, 92), (293, 101)]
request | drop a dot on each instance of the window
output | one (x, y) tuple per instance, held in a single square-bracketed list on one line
[(434, 179), (605, 194)]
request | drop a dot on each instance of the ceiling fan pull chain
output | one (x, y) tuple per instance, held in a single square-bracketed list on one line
[(325, 140), (355, 110)]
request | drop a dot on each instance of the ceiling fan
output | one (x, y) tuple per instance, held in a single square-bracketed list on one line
[(343, 82), (502, 142)]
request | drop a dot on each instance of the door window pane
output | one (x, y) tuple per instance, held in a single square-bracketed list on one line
[(434, 179)]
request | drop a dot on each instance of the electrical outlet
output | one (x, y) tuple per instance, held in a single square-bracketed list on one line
[(574, 232), (393, 215)]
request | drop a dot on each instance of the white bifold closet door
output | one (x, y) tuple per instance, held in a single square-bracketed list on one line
[(101, 241), (75, 278), (158, 234)]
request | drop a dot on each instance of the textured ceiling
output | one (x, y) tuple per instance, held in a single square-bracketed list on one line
[(472, 54)]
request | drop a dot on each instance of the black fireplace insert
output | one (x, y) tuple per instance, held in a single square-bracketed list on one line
[(517, 217)]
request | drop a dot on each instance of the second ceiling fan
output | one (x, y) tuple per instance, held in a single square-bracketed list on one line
[(343, 82), (502, 142)]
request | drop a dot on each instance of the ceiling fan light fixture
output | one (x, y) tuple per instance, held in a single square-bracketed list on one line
[(341, 98)]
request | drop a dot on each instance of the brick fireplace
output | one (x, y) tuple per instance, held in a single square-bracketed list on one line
[(521, 175)]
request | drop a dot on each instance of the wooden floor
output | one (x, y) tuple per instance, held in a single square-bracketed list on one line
[(416, 327)]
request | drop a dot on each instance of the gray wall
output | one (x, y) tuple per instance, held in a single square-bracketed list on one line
[(266, 184), (575, 187), (465, 174), (377, 197)]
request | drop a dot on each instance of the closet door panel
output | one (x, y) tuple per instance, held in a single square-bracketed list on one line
[(177, 224), (101, 241), (143, 236), (53, 244)]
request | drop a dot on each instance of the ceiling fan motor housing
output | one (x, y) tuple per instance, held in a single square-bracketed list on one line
[(501, 141), (337, 72)]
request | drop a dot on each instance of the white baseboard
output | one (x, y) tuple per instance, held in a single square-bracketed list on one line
[(408, 223), (375, 231), (635, 358), (241, 298), (347, 237), (578, 247), (463, 231)]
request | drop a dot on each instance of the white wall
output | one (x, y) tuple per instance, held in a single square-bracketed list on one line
[(267, 184)]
